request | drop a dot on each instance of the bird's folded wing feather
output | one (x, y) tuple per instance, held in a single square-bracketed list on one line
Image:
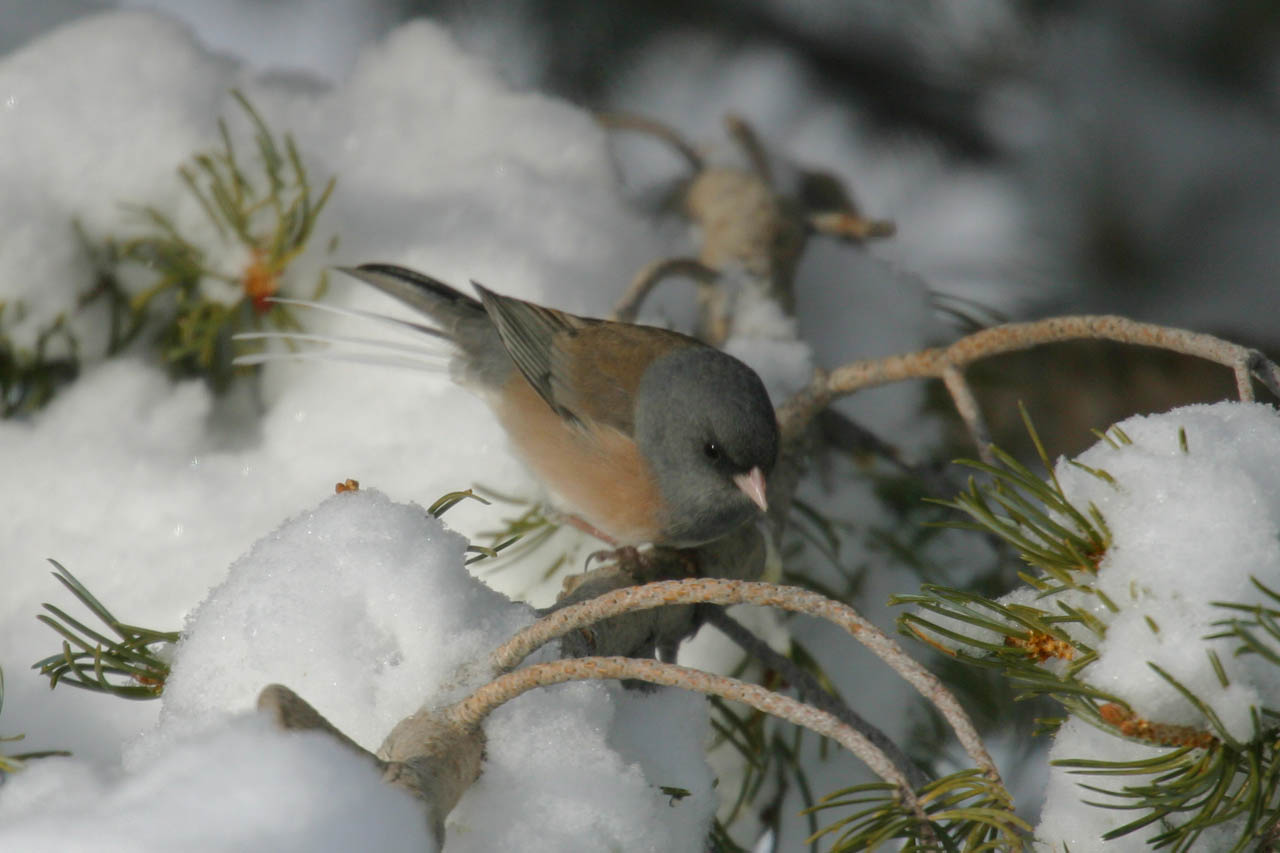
[(587, 370)]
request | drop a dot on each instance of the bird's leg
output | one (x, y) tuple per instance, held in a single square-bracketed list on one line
[(652, 564), (590, 529), (626, 556)]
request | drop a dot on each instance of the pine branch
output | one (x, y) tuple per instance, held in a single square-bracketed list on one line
[(269, 213), (30, 376), (133, 664), (969, 811), (1205, 777), (14, 763)]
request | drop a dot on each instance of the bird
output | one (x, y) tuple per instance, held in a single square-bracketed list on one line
[(641, 435)]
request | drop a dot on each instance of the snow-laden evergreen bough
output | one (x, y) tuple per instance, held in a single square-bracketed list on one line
[(364, 606), (1148, 611)]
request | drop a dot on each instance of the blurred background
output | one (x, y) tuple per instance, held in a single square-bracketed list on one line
[(1079, 156), (1090, 155)]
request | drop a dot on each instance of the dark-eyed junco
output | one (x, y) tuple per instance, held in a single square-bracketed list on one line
[(643, 434)]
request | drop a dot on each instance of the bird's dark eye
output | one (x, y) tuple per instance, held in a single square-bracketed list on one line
[(712, 450)]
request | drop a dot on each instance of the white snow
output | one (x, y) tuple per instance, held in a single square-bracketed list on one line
[(1068, 824), (345, 604), (148, 490), (243, 786), (1189, 527)]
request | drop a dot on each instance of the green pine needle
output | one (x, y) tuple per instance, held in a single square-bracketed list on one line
[(966, 811), (30, 376), (265, 206), (129, 665), (1200, 779)]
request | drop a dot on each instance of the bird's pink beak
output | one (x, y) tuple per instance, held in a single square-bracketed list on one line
[(752, 485)]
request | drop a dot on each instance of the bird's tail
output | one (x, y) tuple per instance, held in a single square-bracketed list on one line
[(449, 308), (462, 319)]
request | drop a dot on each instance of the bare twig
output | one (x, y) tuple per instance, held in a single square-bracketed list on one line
[(476, 707), (653, 127), (744, 134), (713, 301), (847, 225), (433, 754), (811, 693), (969, 411), (935, 363), (651, 274), (726, 592), (291, 712), (749, 228)]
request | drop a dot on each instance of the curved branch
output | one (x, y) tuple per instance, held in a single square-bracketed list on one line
[(472, 711), (647, 279), (970, 412), (937, 362), (655, 128), (745, 135), (725, 592)]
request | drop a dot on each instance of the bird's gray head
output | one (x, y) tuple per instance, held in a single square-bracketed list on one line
[(706, 426)]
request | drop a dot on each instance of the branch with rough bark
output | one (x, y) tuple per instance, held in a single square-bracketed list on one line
[(948, 363), (436, 753)]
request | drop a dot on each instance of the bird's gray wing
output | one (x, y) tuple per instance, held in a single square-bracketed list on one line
[(531, 334)]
